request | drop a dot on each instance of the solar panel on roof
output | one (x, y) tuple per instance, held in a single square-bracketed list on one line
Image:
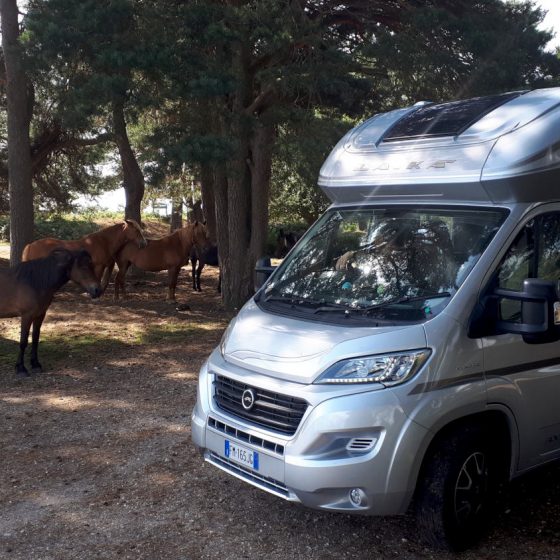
[(445, 119)]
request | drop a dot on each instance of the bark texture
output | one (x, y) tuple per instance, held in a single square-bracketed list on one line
[(133, 179), (19, 111)]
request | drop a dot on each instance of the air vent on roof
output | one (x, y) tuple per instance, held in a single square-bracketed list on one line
[(445, 119)]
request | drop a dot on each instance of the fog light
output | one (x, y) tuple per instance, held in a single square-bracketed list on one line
[(357, 497)]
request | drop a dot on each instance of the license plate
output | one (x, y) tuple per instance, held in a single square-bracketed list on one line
[(241, 455)]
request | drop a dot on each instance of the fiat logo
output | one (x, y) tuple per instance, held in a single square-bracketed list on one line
[(247, 399)]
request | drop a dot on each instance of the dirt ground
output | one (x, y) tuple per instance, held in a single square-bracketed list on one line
[(96, 458)]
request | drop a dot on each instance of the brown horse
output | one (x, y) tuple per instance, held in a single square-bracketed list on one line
[(102, 245), (28, 290), (168, 253)]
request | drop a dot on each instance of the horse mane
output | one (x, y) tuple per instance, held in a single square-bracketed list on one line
[(102, 231), (135, 224), (41, 274)]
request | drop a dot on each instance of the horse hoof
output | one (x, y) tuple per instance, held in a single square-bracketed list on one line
[(36, 369), (183, 307), (22, 372)]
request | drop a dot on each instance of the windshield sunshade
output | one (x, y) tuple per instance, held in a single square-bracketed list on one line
[(394, 264), (445, 119)]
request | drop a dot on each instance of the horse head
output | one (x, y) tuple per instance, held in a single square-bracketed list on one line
[(200, 236), (133, 232), (194, 235), (81, 272)]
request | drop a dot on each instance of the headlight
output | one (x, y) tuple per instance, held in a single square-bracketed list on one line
[(389, 369)]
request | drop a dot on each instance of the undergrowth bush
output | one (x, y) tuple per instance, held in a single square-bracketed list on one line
[(62, 226)]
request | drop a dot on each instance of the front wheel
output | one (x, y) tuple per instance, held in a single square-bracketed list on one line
[(457, 490)]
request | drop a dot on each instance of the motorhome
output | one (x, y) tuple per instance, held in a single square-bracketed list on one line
[(405, 354)]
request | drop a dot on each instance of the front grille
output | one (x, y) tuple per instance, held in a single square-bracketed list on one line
[(244, 436), (271, 410)]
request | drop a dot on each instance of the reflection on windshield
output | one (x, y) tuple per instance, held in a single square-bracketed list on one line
[(397, 262)]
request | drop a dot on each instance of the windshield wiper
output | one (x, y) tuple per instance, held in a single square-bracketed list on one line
[(406, 299), (334, 307), (293, 301), (341, 308)]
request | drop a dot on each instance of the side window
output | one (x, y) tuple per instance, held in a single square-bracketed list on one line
[(535, 253), (518, 263), (548, 248)]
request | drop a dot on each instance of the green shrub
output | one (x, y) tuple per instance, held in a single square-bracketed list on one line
[(64, 227), (4, 228)]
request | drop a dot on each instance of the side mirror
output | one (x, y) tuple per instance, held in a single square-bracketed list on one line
[(263, 270), (539, 315)]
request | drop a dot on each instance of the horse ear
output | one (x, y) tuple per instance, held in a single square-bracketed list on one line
[(195, 223), (62, 256)]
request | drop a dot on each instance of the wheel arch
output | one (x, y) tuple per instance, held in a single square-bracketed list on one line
[(498, 428)]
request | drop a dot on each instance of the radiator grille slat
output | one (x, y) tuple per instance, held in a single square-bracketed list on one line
[(271, 410)]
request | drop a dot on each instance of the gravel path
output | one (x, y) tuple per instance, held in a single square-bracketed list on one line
[(96, 459)]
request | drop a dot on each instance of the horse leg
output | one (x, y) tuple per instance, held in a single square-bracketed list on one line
[(23, 338), (198, 273), (120, 280), (173, 274), (106, 278), (37, 322), (193, 265)]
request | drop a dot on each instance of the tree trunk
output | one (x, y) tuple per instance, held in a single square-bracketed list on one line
[(221, 188), (207, 188), (176, 214), (133, 179), (242, 186), (242, 213), (19, 117), (262, 143), (196, 212)]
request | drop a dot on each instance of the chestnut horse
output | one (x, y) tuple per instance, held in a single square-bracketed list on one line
[(168, 253), (102, 245), (28, 290)]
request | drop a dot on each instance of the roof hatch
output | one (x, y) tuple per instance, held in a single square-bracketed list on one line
[(445, 119)]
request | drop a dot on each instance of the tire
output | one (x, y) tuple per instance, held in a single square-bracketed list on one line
[(457, 490)]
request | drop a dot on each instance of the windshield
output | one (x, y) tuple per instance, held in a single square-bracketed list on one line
[(395, 263)]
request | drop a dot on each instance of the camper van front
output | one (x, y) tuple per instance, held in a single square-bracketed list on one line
[(299, 398), (409, 344)]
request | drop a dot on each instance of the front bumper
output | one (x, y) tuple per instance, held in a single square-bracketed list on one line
[(349, 439)]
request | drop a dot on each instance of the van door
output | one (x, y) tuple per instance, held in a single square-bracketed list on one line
[(526, 377)]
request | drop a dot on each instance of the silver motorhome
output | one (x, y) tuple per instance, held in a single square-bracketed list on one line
[(407, 349)]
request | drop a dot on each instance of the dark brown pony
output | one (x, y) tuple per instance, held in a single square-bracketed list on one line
[(203, 258), (285, 240), (102, 245), (28, 290), (168, 253)]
